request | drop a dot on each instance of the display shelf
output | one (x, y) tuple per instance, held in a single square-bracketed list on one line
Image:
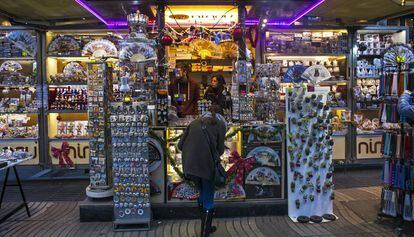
[(70, 139), (339, 108), (368, 109), (68, 83), (17, 139), (368, 77), (31, 112), (334, 82), (310, 55), (67, 111), (18, 58), (18, 86)]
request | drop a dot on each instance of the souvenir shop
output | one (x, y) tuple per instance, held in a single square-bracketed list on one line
[(297, 100)]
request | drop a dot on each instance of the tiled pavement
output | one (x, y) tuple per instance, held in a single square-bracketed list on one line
[(55, 212)]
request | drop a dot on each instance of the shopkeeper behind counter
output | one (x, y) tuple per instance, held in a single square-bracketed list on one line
[(184, 92)]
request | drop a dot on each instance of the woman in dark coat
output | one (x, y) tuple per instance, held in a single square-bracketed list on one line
[(198, 164), (405, 106), (216, 92)]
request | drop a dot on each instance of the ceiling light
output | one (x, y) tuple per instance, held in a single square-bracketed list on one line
[(362, 21), (265, 20)]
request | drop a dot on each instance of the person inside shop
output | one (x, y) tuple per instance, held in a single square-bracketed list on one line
[(406, 106), (202, 137), (217, 93), (184, 92)]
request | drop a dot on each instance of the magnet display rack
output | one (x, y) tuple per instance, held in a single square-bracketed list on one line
[(100, 160), (20, 90), (129, 130)]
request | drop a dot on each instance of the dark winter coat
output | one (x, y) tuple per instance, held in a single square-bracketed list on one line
[(406, 107), (196, 154)]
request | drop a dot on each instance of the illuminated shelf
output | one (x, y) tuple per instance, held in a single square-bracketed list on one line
[(339, 108), (309, 55), (69, 83), (18, 58), (69, 139), (34, 112), (18, 139), (334, 82), (66, 111), (1, 85)]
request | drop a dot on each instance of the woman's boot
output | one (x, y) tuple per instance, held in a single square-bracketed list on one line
[(208, 229)]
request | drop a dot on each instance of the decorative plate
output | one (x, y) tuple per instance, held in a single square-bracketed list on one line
[(294, 74), (73, 69), (265, 133), (398, 53), (232, 191), (64, 44), (155, 154), (184, 191), (136, 52), (100, 48), (24, 41), (316, 74), (263, 176), (265, 156), (10, 66)]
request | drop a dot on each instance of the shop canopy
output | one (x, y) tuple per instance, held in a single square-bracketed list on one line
[(86, 13)]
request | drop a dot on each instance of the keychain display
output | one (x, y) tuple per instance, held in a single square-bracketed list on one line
[(243, 109), (99, 93), (162, 109), (129, 131), (309, 153)]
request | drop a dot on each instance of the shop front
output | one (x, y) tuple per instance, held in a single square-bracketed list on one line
[(76, 101)]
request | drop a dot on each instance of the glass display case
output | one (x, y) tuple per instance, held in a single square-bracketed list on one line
[(298, 50), (371, 43), (20, 91), (68, 53)]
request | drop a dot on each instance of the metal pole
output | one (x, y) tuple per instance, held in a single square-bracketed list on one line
[(242, 22), (161, 54)]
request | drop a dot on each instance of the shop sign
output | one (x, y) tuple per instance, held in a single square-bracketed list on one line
[(78, 151), (29, 146), (369, 147)]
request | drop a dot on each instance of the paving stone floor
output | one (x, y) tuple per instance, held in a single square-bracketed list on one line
[(55, 212)]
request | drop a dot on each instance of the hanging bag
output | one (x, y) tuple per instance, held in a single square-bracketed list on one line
[(219, 171)]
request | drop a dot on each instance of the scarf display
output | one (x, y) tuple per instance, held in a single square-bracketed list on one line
[(394, 82)]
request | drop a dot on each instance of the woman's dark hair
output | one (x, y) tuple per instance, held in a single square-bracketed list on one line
[(214, 110), (221, 80)]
